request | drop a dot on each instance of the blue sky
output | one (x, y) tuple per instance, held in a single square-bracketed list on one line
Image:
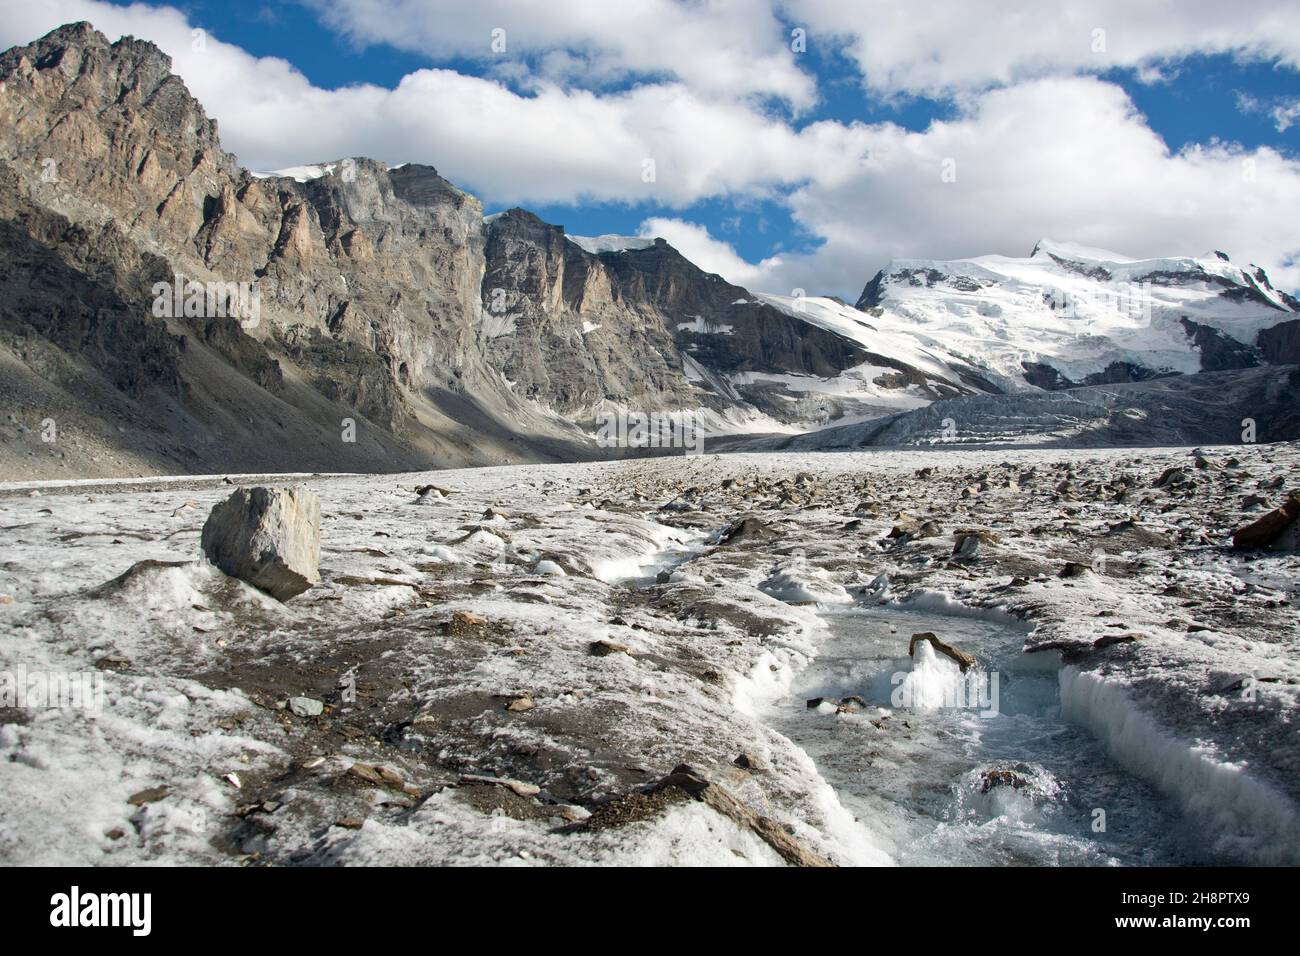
[(778, 166)]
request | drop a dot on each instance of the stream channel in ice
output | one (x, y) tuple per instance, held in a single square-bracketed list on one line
[(962, 771), (952, 769)]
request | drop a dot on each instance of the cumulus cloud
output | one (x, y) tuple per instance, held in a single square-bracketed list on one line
[(1067, 156), (732, 49), (710, 254), (1284, 111), (940, 48), (659, 142), (1060, 157)]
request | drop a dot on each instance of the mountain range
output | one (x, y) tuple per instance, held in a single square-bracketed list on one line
[(163, 309)]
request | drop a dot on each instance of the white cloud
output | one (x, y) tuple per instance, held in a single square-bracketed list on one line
[(1285, 115), (734, 48), (938, 48), (1284, 111), (1063, 156), (712, 255), (555, 145)]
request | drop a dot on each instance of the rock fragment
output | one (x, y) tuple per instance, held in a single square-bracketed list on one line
[(149, 795), (603, 648), (1111, 639), (747, 761), (748, 528), (687, 779), (685, 784), (464, 622), (963, 659), (306, 707), (1277, 529), (1169, 477), (519, 787)]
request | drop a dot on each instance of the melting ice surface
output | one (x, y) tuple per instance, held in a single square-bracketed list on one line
[(941, 785)]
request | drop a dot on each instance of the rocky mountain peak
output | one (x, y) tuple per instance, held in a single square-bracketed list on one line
[(380, 295), (383, 295), (75, 67)]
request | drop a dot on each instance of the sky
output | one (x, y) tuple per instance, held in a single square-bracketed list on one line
[(785, 144)]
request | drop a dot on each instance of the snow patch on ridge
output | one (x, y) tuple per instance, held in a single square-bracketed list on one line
[(300, 174), (610, 243)]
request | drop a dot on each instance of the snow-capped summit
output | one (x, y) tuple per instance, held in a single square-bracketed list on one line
[(1074, 314)]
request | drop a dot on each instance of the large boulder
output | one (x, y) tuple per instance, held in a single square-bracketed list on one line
[(269, 537)]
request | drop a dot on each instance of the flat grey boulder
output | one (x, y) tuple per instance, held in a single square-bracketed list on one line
[(269, 537)]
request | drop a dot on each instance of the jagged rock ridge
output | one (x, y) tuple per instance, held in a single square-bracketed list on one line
[(383, 296)]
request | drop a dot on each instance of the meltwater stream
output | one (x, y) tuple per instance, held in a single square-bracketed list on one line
[(942, 785)]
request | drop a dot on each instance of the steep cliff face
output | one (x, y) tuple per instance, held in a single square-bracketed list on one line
[(348, 291), (557, 327), (575, 322)]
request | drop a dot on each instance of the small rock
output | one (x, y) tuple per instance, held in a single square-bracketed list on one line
[(150, 795), (519, 787), (306, 707), (1002, 778), (1110, 639), (463, 622), (605, 648), (1170, 476), (748, 528), (376, 774), (746, 761)]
